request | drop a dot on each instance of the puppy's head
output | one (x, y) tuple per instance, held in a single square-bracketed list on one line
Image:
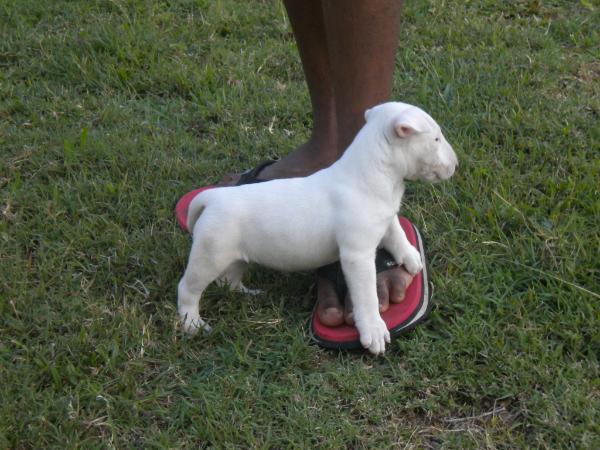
[(415, 141)]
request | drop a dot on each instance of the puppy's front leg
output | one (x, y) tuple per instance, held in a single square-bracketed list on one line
[(359, 272), (396, 242)]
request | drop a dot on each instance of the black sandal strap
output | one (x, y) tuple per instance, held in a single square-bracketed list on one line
[(333, 272), (250, 176), (384, 260)]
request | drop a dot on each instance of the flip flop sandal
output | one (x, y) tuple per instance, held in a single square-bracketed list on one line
[(248, 177), (399, 318)]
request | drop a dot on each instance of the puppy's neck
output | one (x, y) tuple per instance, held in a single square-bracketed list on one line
[(368, 162)]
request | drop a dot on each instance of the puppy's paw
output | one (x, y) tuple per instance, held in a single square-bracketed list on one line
[(374, 335), (243, 289), (412, 261), (191, 323)]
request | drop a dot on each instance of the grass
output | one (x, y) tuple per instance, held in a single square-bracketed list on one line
[(110, 110)]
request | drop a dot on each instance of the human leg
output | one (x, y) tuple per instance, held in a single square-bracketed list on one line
[(321, 150), (362, 38)]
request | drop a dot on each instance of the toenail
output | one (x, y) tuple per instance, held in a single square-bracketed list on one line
[(332, 311)]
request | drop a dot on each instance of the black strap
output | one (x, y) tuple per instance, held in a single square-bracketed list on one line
[(333, 272), (250, 176)]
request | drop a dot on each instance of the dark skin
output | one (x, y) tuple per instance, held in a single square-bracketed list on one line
[(347, 49)]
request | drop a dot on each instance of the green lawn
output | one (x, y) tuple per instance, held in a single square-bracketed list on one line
[(112, 109)]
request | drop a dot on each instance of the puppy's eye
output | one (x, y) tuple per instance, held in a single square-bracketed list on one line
[(437, 139)]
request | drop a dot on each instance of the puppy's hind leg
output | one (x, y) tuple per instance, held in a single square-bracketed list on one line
[(233, 277), (204, 266)]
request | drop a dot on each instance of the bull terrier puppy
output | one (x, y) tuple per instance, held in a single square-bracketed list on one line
[(343, 212)]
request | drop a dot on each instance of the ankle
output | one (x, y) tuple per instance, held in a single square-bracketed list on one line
[(317, 153), (322, 149)]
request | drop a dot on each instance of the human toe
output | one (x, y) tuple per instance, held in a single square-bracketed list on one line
[(400, 279), (329, 308), (383, 292)]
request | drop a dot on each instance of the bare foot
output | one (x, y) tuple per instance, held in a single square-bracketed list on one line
[(391, 288), (305, 160)]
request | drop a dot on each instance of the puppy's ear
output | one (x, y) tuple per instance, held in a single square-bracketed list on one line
[(404, 130), (367, 115), (404, 127)]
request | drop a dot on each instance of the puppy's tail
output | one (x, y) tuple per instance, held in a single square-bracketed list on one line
[(196, 207)]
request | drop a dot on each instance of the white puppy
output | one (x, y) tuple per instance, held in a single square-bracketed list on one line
[(344, 212)]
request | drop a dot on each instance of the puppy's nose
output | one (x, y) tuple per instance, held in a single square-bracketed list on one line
[(451, 170), (452, 167), (455, 159)]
